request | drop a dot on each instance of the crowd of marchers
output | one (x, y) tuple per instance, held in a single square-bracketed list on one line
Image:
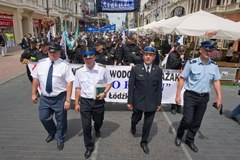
[(94, 51)]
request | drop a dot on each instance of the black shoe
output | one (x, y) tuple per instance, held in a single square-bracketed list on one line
[(60, 145), (178, 141), (145, 148), (98, 134), (235, 119), (49, 138), (133, 130), (173, 111), (88, 153), (192, 146), (179, 109)]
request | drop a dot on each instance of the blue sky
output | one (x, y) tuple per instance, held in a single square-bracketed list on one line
[(116, 18)]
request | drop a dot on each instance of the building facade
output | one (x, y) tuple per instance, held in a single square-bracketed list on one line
[(21, 17), (155, 10)]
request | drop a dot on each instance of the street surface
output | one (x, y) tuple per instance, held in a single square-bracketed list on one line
[(22, 136)]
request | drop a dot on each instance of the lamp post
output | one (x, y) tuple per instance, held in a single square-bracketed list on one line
[(47, 9)]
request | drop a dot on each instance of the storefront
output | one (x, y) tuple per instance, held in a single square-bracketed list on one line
[(6, 25)]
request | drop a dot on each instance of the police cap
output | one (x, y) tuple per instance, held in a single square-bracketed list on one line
[(108, 40), (54, 47), (83, 42), (44, 43), (33, 40), (208, 45), (149, 49), (181, 48), (99, 42), (88, 53)]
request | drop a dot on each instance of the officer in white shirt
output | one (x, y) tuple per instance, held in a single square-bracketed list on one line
[(55, 78), (92, 104)]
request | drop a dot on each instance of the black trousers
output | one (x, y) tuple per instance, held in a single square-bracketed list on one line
[(147, 124), (29, 74), (91, 109), (194, 108)]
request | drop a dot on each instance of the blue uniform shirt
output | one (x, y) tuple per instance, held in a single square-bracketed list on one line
[(199, 76)]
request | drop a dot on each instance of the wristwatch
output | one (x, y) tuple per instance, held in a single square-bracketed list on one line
[(69, 101)]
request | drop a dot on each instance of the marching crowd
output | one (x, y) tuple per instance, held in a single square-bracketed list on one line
[(56, 79)]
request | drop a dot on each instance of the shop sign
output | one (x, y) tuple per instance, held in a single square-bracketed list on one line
[(6, 20)]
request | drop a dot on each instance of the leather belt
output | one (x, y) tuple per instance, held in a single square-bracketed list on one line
[(198, 94)]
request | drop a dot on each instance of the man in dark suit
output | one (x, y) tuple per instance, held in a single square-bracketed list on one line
[(145, 94)]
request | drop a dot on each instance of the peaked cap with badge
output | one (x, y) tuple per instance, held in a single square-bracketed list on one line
[(208, 45), (149, 49), (88, 53), (54, 47)]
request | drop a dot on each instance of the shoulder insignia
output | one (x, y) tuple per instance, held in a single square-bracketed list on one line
[(74, 70), (213, 62), (192, 61), (102, 65)]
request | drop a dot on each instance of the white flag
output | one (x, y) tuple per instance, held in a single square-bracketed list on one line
[(64, 44), (180, 40), (49, 36)]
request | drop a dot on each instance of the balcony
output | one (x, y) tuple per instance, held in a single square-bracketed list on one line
[(216, 9), (233, 7), (65, 11)]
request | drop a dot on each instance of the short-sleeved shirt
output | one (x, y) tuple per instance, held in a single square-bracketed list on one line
[(199, 76), (62, 75), (86, 79)]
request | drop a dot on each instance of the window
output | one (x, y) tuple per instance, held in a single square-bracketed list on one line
[(76, 8), (218, 2), (207, 3)]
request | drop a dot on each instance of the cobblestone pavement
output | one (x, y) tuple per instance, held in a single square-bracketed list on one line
[(22, 136)]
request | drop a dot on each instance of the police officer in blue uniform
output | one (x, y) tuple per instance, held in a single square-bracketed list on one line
[(55, 78), (197, 77), (145, 94), (88, 102)]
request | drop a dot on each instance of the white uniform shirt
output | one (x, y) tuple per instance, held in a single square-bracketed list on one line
[(62, 74), (86, 79)]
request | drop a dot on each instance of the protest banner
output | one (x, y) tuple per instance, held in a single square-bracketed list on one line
[(120, 74)]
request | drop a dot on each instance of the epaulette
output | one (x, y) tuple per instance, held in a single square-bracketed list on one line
[(213, 62), (102, 65), (192, 61), (74, 70)]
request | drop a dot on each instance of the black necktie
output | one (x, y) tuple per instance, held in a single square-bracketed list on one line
[(49, 79), (148, 70)]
